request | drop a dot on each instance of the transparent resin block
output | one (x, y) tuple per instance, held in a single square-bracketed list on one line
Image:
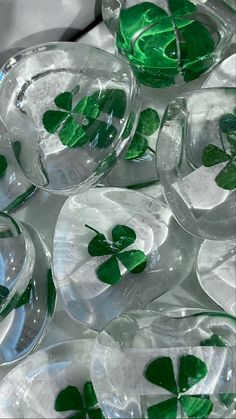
[(116, 249), (196, 161), (170, 42), (145, 365), (71, 109), (27, 293), (216, 272), (15, 188), (52, 383), (224, 74)]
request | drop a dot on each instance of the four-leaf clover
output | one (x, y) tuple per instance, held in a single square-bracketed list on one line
[(149, 122), (213, 155), (191, 370), (77, 124), (71, 399), (122, 237)]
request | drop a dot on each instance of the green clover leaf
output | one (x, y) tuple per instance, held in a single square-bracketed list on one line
[(213, 155), (78, 125), (149, 122), (3, 165), (191, 371), (17, 300), (4, 291), (123, 236), (214, 340), (71, 399)]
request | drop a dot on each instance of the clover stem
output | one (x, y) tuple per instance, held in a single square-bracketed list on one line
[(151, 149), (91, 228)]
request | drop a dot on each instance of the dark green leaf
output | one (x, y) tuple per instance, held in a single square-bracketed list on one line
[(69, 399), (90, 397), (4, 291), (228, 399), (227, 123), (78, 415), (111, 101), (134, 260), (52, 294), (25, 297), (137, 148), (196, 407), (226, 179), (232, 141), (52, 120), (214, 340), (181, 7), (161, 372), (191, 371), (163, 410), (100, 246), (16, 146), (3, 165), (143, 185), (88, 106), (72, 135), (100, 134), (109, 271), (95, 414), (213, 155), (123, 236), (149, 122), (64, 101)]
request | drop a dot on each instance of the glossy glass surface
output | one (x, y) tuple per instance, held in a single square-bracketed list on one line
[(30, 389), (169, 42), (67, 106), (170, 253), (25, 312), (140, 357), (196, 161)]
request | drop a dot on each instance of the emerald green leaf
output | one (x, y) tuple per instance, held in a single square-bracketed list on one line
[(161, 372), (4, 291), (137, 148), (72, 135), (228, 399), (181, 7), (123, 236), (78, 415), (90, 397), (3, 165), (143, 185), (69, 399), (134, 260), (214, 340), (149, 122), (64, 101), (232, 142), (106, 164), (111, 101), (163, 410), (226, 179), (213, 155), (52, 294), (100, 134), (88, 106), (95, 414), (109, 271), (227, 123), (191, 371), (52, 120), (25, 297), (100, 246), (196, 407)]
